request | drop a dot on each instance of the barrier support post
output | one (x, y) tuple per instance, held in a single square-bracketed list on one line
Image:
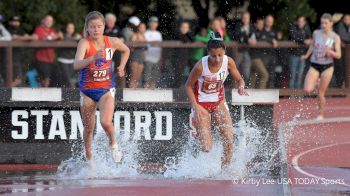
[(9, 66)]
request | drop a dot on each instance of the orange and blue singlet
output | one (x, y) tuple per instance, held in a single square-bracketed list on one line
[(97, 78)]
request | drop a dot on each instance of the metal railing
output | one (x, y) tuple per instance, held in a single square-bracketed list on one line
[(234, 46)]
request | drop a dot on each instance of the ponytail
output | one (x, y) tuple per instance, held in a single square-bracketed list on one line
[(215, 41)]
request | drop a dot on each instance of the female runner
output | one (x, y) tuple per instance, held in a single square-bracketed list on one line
[(205, 90), (323, 50), (97, 83)]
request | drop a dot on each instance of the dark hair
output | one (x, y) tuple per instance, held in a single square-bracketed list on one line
[(301, 16), (134, 28), (215, 41)]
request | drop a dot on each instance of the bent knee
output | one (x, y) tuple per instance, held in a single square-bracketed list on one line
[(106, 123), (322, 92), (308, 90)]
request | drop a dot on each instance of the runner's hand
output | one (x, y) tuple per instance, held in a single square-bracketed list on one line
[(199, 112), (242, 91), (99, 54), (120, 71), (329, 51), (303, 57)]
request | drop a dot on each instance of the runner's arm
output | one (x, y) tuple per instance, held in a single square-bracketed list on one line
[(235, 73), (123, 49), (191, 80), (311, 47), (337, 48), (79, 61)]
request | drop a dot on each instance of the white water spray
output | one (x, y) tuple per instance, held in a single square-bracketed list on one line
[(253, 156)]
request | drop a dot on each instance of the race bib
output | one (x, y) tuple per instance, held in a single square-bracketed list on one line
[(109, 53), (329, 42), (210, 87), (100, 75), (320, 55)]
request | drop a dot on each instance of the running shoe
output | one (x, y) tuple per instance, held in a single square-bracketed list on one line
[(91, 168), (319, 117), (116, 153)]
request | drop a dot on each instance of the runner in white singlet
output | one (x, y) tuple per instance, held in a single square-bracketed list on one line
[(325, 47), (205, 89)]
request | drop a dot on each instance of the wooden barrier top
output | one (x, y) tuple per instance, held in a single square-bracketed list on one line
[(9, 45)]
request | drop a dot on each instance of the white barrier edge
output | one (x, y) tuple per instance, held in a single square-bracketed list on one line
[(147, 95), (36, 94), (255, 96)]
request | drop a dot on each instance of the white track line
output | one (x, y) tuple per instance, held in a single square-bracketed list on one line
[(314, 121), (282, 127), (296, 159), (330, 108)]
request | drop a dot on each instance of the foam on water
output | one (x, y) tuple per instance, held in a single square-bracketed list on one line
[(254, 156)]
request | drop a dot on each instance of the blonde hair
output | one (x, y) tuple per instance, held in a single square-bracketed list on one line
[(92, 16), (327, 16)]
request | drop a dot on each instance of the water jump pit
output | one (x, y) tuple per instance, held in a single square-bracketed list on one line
[(42, 148)]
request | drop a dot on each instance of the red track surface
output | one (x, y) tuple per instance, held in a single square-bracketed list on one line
[(313, 151), (167, 187), (27, 167), (317, 149)]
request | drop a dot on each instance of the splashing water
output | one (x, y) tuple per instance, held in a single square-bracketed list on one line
[(77, 168), (254, 156)]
